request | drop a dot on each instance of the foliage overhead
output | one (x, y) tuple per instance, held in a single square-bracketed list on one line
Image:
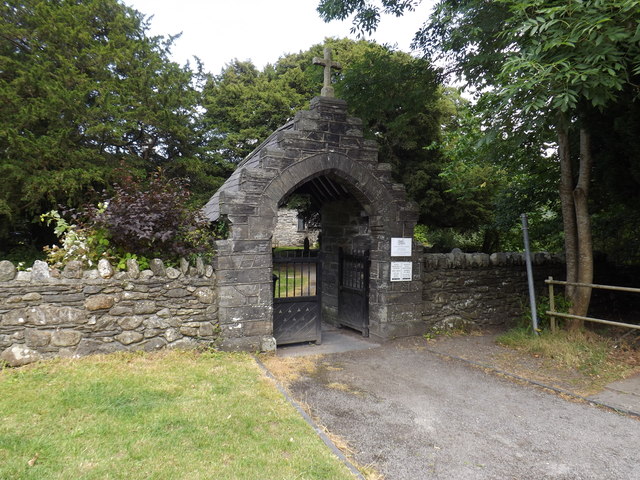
[(570, 52), (398, 97), (539, 64), (541, 54), (367, 15)]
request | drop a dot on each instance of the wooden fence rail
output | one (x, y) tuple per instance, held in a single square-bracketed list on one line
[(552, 304)]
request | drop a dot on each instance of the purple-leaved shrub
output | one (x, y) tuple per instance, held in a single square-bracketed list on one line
[(153, 219)]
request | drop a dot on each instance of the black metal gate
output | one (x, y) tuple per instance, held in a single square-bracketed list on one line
[(353, 290), (296, 296)]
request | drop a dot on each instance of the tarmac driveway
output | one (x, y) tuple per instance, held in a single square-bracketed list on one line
[(414, 415)]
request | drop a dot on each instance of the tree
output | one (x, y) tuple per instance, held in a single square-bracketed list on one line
[(565, 61), (616, 194), (397, 96), (88, 99), (574, 58), (244, 106)]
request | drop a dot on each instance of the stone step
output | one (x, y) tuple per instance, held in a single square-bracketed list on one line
[(398, 191), (290, 139)]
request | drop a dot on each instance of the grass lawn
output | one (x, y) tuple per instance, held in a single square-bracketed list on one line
[(294, 280), (599, 358), (169, 415)]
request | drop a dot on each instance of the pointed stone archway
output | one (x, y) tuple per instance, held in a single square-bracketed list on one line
[(322, 151)]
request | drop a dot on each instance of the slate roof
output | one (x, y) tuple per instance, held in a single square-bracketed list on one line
[(212, 209)]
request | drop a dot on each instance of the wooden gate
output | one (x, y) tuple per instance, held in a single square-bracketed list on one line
[(296, 296), (353, 290)]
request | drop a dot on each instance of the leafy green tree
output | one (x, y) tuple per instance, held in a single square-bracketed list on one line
[(573, 59), (244, 106), (545, 60), (398, 99), (88, 99), (397, 96)]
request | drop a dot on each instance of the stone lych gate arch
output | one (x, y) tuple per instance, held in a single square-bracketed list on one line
[(321, 150)]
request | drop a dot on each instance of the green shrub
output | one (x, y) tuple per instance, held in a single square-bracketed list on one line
[(140, 221), (420, 235), (23, 256), (562, 305), (85, 244)]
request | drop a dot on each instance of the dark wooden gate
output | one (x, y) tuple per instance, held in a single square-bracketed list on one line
[(296, 296), (353, 291)]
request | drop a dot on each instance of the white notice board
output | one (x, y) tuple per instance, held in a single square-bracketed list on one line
[(401, 271), (400, 247)]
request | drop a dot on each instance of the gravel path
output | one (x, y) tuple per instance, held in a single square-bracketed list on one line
[(413, 415)]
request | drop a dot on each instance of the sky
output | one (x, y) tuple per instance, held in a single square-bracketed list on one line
[(217, 31)]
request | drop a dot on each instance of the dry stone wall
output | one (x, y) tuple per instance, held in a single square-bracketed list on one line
[(477, 289), (46, 313), (75, 312)]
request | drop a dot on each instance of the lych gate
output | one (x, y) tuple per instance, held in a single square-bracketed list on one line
[(321, 153)]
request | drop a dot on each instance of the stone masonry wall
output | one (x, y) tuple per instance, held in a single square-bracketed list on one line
[(46, 313), (286, 233), (478, 289), (343, 227)]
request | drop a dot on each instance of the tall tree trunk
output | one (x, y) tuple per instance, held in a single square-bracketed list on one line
[(567, 205), (585, 244)]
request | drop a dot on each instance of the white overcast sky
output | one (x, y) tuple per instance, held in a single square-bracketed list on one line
[(217, 31)]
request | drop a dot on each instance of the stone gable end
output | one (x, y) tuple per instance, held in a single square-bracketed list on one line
[(326, 148)]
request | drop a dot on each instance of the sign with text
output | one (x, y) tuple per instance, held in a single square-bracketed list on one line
[(401, 271), (400, 247)]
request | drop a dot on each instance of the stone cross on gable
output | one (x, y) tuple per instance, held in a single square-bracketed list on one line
[(328, 64)]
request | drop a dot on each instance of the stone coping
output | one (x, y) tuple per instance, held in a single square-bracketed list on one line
[(457, 259), (41, 272)]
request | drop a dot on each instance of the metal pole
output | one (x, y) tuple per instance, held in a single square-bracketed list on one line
[(527, 254), (552, 306)]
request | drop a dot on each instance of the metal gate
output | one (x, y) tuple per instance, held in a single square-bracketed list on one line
[(353, 290), (296, 296)]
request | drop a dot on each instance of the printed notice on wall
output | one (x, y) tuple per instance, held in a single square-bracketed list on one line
[(400, 247), (401, 271)]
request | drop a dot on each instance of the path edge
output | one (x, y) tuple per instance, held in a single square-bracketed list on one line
[(323, 436), (561, 391)]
